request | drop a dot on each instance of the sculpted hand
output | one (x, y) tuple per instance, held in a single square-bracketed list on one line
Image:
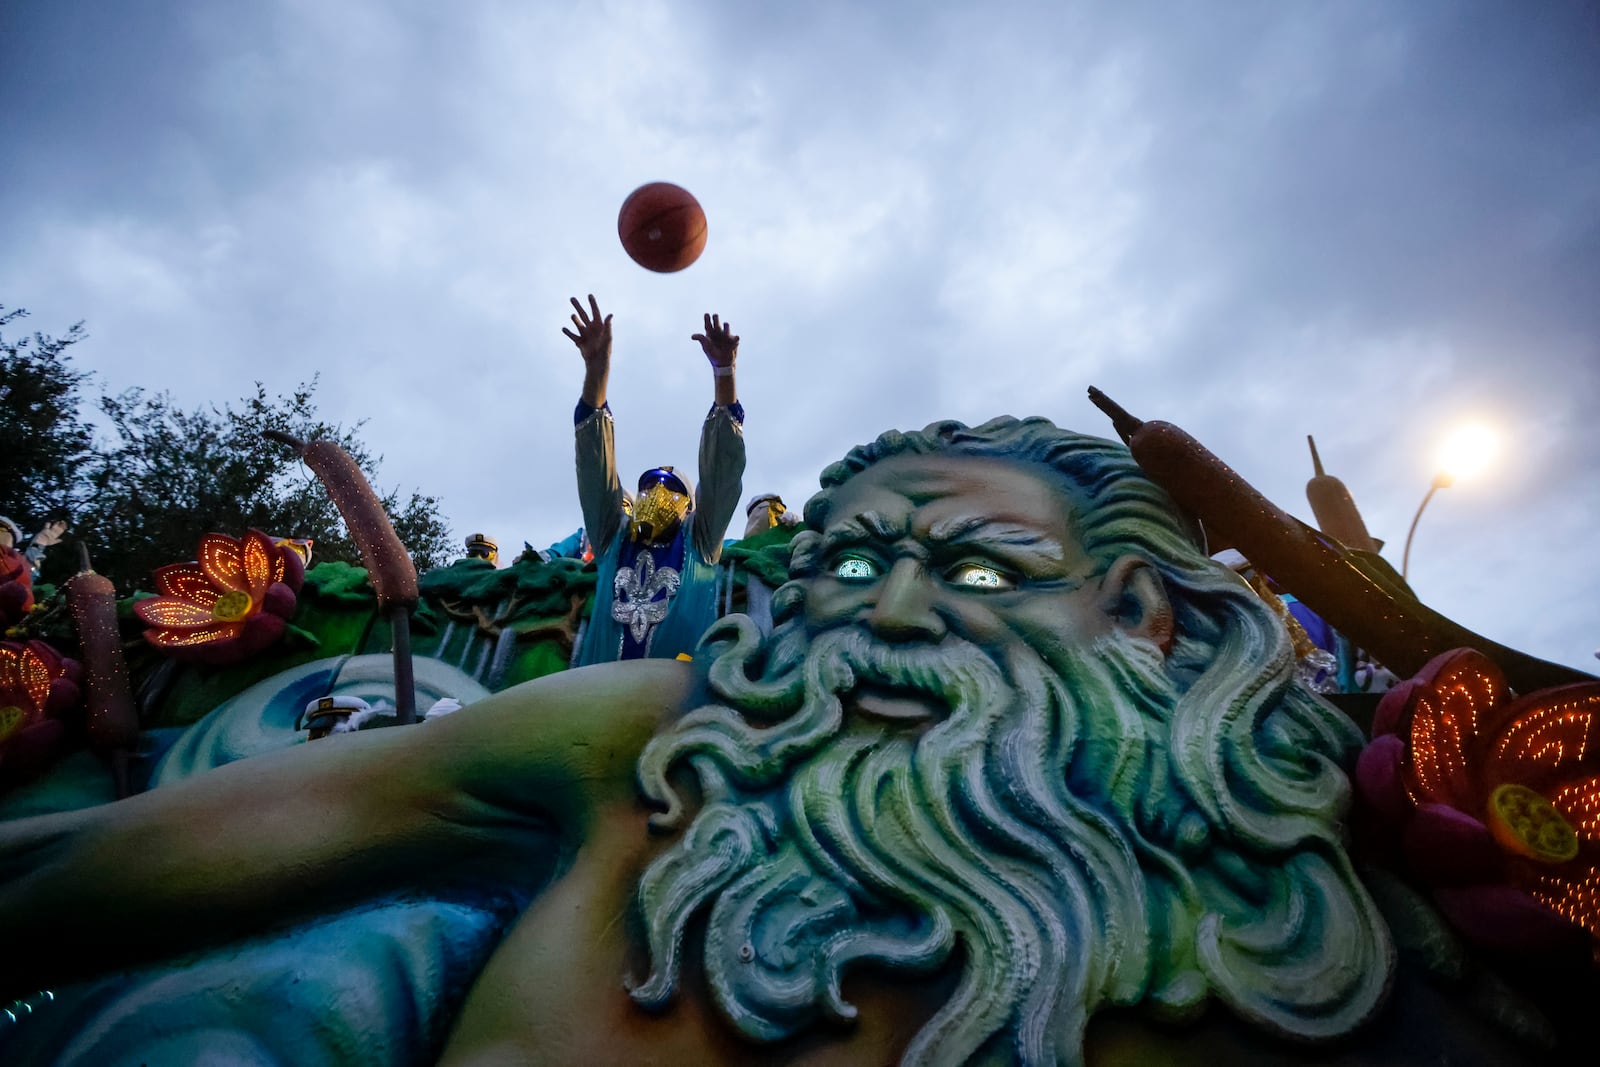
[(594, 334), (718, 342)]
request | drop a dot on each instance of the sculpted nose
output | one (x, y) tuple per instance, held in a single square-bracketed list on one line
[(904, 610)]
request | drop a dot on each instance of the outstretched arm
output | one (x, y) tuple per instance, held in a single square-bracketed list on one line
[(599, 490), (255, 842), (594, 345), (721, 444)]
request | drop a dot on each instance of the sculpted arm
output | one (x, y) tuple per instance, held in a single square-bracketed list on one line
[(268, 838)]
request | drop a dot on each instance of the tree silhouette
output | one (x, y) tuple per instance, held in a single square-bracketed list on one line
[(143, 493)]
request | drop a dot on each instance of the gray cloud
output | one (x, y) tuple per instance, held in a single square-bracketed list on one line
[(1362, 221)]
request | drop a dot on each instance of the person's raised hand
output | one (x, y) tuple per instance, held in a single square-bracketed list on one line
[(718, 342), (594, 332), (51, 534)]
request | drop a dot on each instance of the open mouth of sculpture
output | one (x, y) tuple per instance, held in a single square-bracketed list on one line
[(896, 704)]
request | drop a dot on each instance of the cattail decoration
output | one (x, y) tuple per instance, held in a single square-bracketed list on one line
[(389, 565), (1337, 515), (111, 720), (1370, 608)]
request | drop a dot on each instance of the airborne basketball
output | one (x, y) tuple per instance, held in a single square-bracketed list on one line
[(662, 227)]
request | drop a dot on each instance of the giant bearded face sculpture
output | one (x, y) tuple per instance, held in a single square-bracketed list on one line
[(1010, 707)]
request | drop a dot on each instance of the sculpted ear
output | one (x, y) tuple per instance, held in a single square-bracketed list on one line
[(1134, 598)]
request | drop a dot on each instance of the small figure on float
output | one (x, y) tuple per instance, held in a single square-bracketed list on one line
[(50, 534), (480, 546), (333, 715), (16, 577), (1315, 664), (300, 546), (656, 590), (765, 511)]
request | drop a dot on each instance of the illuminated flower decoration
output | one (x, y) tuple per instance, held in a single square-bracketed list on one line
[(1495, 800), (231, 604), (38, 686)]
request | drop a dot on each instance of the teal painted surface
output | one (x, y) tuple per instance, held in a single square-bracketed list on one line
[(377, 984), (374, 986), (262, 718)]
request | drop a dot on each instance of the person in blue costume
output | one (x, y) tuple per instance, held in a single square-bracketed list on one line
[(655, 593)]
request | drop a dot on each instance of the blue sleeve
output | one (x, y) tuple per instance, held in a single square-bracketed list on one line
[(735, 409), (570, 547), (583, 411)]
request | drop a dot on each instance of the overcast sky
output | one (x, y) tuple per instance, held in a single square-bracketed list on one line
[(1363, 221)]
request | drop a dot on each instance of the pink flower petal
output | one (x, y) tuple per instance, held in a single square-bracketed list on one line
[(1578, 800), (213, 653), (1460, 689), (187, 581), (279, 601), (1449, 847), (175, 640), (261, 631), (1508, 920), (28, 751), (1394, 711), (52, 659), (1548, 737), (254, 634), (222, 560), (170, 612), (1378, 777), (291, 569), (257, 562), (35, 678), (10, 665), (65, 694)]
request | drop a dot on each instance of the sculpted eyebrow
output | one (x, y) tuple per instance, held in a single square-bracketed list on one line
[(867, 526), (1010, 538)]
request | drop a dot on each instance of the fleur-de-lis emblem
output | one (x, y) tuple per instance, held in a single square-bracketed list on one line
[(641, 595)]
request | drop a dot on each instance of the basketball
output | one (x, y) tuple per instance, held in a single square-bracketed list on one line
[(662, 227)]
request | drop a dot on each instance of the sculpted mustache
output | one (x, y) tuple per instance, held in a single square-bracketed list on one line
[(955, 670)]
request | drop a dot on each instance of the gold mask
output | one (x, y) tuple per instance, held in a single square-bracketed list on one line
[(657, 513)]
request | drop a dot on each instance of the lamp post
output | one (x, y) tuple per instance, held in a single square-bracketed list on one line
[(1442, 480)]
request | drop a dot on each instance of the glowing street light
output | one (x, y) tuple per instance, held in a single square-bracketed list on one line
[(1466, 452)]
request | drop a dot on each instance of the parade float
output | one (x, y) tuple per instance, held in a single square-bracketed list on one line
[(1145, 863), (1026, 746)]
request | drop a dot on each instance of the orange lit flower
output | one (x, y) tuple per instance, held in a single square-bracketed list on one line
[(1496, 799), (37, 686), (231, 604)]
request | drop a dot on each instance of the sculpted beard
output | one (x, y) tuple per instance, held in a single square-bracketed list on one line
[(824, 843)]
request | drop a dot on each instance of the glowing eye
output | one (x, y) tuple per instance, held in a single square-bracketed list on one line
[(855, 569), (977, 576)]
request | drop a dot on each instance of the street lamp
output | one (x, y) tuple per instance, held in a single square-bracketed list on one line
[(1464, 453)]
